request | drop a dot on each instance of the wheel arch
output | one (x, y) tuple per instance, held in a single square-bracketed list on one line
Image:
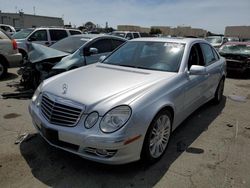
[(23, 52)]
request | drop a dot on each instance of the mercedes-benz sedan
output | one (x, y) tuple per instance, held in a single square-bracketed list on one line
[(125, 108)]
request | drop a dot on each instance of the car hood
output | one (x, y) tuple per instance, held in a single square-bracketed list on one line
[(38, 53), (100, 86)]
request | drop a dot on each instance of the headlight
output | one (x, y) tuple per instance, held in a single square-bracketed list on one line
[(35, 97), (91, 120), (115, 119)]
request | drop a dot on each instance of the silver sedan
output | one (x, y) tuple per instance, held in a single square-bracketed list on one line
[(125, 108)]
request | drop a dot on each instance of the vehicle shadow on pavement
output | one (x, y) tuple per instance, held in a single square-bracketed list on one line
[(9, 76), (57, 168)]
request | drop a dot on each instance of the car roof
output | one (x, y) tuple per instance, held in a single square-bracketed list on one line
[(92, 36), (174, 40), (125, 32)]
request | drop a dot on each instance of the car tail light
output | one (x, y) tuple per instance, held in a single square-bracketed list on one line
[(14, 44)]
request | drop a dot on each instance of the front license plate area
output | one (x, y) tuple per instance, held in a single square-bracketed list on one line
[(52, 136)]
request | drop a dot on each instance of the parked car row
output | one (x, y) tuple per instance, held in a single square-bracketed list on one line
[(133, 94)]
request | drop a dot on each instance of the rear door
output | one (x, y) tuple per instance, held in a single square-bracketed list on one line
[(39, 36), (211, 60), (57, 34)]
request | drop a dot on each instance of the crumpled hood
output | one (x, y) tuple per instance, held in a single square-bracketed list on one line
[(104, 86), (38, 52)]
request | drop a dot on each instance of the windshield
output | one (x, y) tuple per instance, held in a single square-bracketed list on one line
[(235, 49), (162, 56), (69, 44), (22, 34), (214, 40), (119, 34)]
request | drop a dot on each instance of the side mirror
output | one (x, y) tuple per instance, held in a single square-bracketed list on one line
[(197, 70), (102, 58), (89, 51), (93, 51)]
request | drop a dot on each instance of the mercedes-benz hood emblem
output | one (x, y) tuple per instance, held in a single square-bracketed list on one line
[(64, 88)]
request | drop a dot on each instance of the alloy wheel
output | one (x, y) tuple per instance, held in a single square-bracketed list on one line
[(160, 135)]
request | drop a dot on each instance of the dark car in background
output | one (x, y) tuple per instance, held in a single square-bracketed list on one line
[(237, 56), (216, 41)]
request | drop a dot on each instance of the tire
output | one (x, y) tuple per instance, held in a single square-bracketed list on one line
[(3, 68), (157, 137), (219, 92)]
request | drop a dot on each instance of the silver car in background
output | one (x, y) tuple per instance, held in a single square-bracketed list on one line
[(9, 55), (126, 107)]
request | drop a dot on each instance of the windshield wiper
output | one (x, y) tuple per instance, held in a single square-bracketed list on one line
[(123, 65)]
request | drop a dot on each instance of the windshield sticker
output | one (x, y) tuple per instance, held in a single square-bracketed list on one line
[(173, 45)]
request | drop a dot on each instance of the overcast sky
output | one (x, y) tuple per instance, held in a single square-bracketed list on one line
[(212, 15)]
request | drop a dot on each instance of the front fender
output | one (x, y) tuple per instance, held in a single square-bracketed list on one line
[(69, 62)]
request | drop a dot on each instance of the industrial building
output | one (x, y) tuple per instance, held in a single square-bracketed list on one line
[(242, 32), (21, 20), (166, 30)]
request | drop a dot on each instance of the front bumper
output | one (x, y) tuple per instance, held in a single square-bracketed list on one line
[(85, 142), (236, 65)]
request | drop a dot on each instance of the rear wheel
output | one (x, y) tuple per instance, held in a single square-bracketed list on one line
[(157, 137), (219, 92), (3, 68)]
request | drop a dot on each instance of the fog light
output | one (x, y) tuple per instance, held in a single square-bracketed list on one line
[(102, 152)]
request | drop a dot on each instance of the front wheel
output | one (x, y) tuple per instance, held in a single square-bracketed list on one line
[(219, 92), (157, 137)]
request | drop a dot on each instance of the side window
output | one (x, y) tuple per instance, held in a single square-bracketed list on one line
[(136, 35), (116, 43), (56, 35), (208, 54), (103, 45), (129, 36), (216, 55), (74, 32), (40, 35), (195, 56)]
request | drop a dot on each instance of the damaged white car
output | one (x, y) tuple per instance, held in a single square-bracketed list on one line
[(125, 108)]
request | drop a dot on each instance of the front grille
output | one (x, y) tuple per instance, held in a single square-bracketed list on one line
[(59, 113), (234, 64)]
